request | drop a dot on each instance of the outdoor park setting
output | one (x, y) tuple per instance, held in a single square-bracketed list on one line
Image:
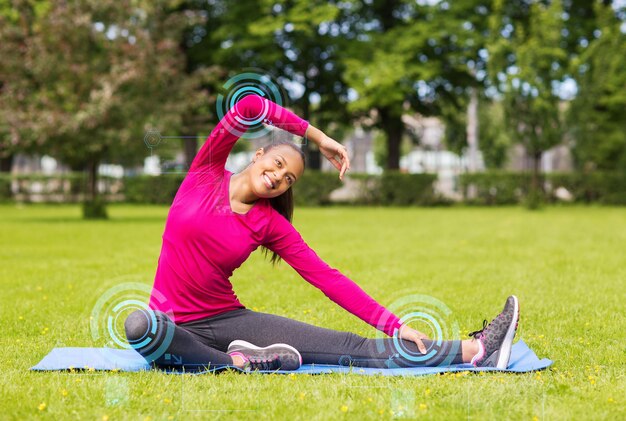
[(369, 179)]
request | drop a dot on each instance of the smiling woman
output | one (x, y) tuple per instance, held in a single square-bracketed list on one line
[(218, 219)]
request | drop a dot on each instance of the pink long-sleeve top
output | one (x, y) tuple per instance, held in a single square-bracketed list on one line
[(205, 241)]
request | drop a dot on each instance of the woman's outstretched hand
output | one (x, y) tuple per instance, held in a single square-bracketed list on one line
[(336, 153), (416, 336)]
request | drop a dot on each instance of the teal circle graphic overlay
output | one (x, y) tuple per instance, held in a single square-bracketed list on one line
[(430, 312), (119, 301), (236, 88)]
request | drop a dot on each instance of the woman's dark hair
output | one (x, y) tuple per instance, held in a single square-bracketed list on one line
[(283, 203)]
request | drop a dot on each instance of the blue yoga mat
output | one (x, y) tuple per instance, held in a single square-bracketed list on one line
[(523, 359)]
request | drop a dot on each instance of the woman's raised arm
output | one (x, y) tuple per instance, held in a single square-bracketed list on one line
[(334, 151), (247, 113)]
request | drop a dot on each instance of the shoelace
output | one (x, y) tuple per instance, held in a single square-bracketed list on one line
[(271, 363), (476, 333)]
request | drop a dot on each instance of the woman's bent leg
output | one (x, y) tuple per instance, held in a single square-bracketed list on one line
[(325, 346), (160, 341)]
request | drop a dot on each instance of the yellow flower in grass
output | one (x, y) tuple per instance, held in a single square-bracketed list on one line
[(42, 406), (105, 418), (423, 407), (64, 392), (167, 400), (344, 408), (610, 400)]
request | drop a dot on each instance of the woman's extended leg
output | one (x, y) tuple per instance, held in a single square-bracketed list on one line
[(155, 336), (324, 346)]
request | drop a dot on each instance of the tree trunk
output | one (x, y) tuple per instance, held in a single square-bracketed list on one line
[(535, 196), (312, 156), (472, 140), (93, 181), (94, 206), (393, 127), (190, 148), (6, 163), (472, 131), (536, 182)]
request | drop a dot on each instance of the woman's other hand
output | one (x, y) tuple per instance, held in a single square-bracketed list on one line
[(336, 153), (416, 336)]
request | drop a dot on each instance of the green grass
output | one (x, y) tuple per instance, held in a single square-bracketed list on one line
[(567, 265)]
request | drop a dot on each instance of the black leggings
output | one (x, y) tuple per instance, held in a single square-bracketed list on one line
[(203, 343)]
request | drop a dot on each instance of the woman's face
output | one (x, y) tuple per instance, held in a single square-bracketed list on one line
[(275, 171)]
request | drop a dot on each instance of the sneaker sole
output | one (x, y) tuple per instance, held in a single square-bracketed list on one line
[(505, 350), (240, 345)]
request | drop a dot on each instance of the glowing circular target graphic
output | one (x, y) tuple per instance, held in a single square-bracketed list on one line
[(112, 309), (239, 86), (430, 316)]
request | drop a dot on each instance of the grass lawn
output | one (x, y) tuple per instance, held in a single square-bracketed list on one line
[(567, 266)]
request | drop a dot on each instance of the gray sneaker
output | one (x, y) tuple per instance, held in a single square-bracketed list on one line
[(496, 338), (273, 357)]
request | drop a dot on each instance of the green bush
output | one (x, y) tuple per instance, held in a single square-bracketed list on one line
[(502, 188), (5, 188), (95, 209), (603, 187), (495, 187), (407, 189), (314, 188), (150, 189), (395, 188), (369, 191)]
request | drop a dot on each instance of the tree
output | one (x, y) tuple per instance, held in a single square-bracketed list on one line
[(413, 57), (296, 42), (529, 63), (494, 140), (18, 129), (596, 116), (91, 77)]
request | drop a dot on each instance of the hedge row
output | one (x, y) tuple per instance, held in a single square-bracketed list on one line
[(502, 188), (390, 188), (394, 188), (313, 189), (152, 189), (66, 187)]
